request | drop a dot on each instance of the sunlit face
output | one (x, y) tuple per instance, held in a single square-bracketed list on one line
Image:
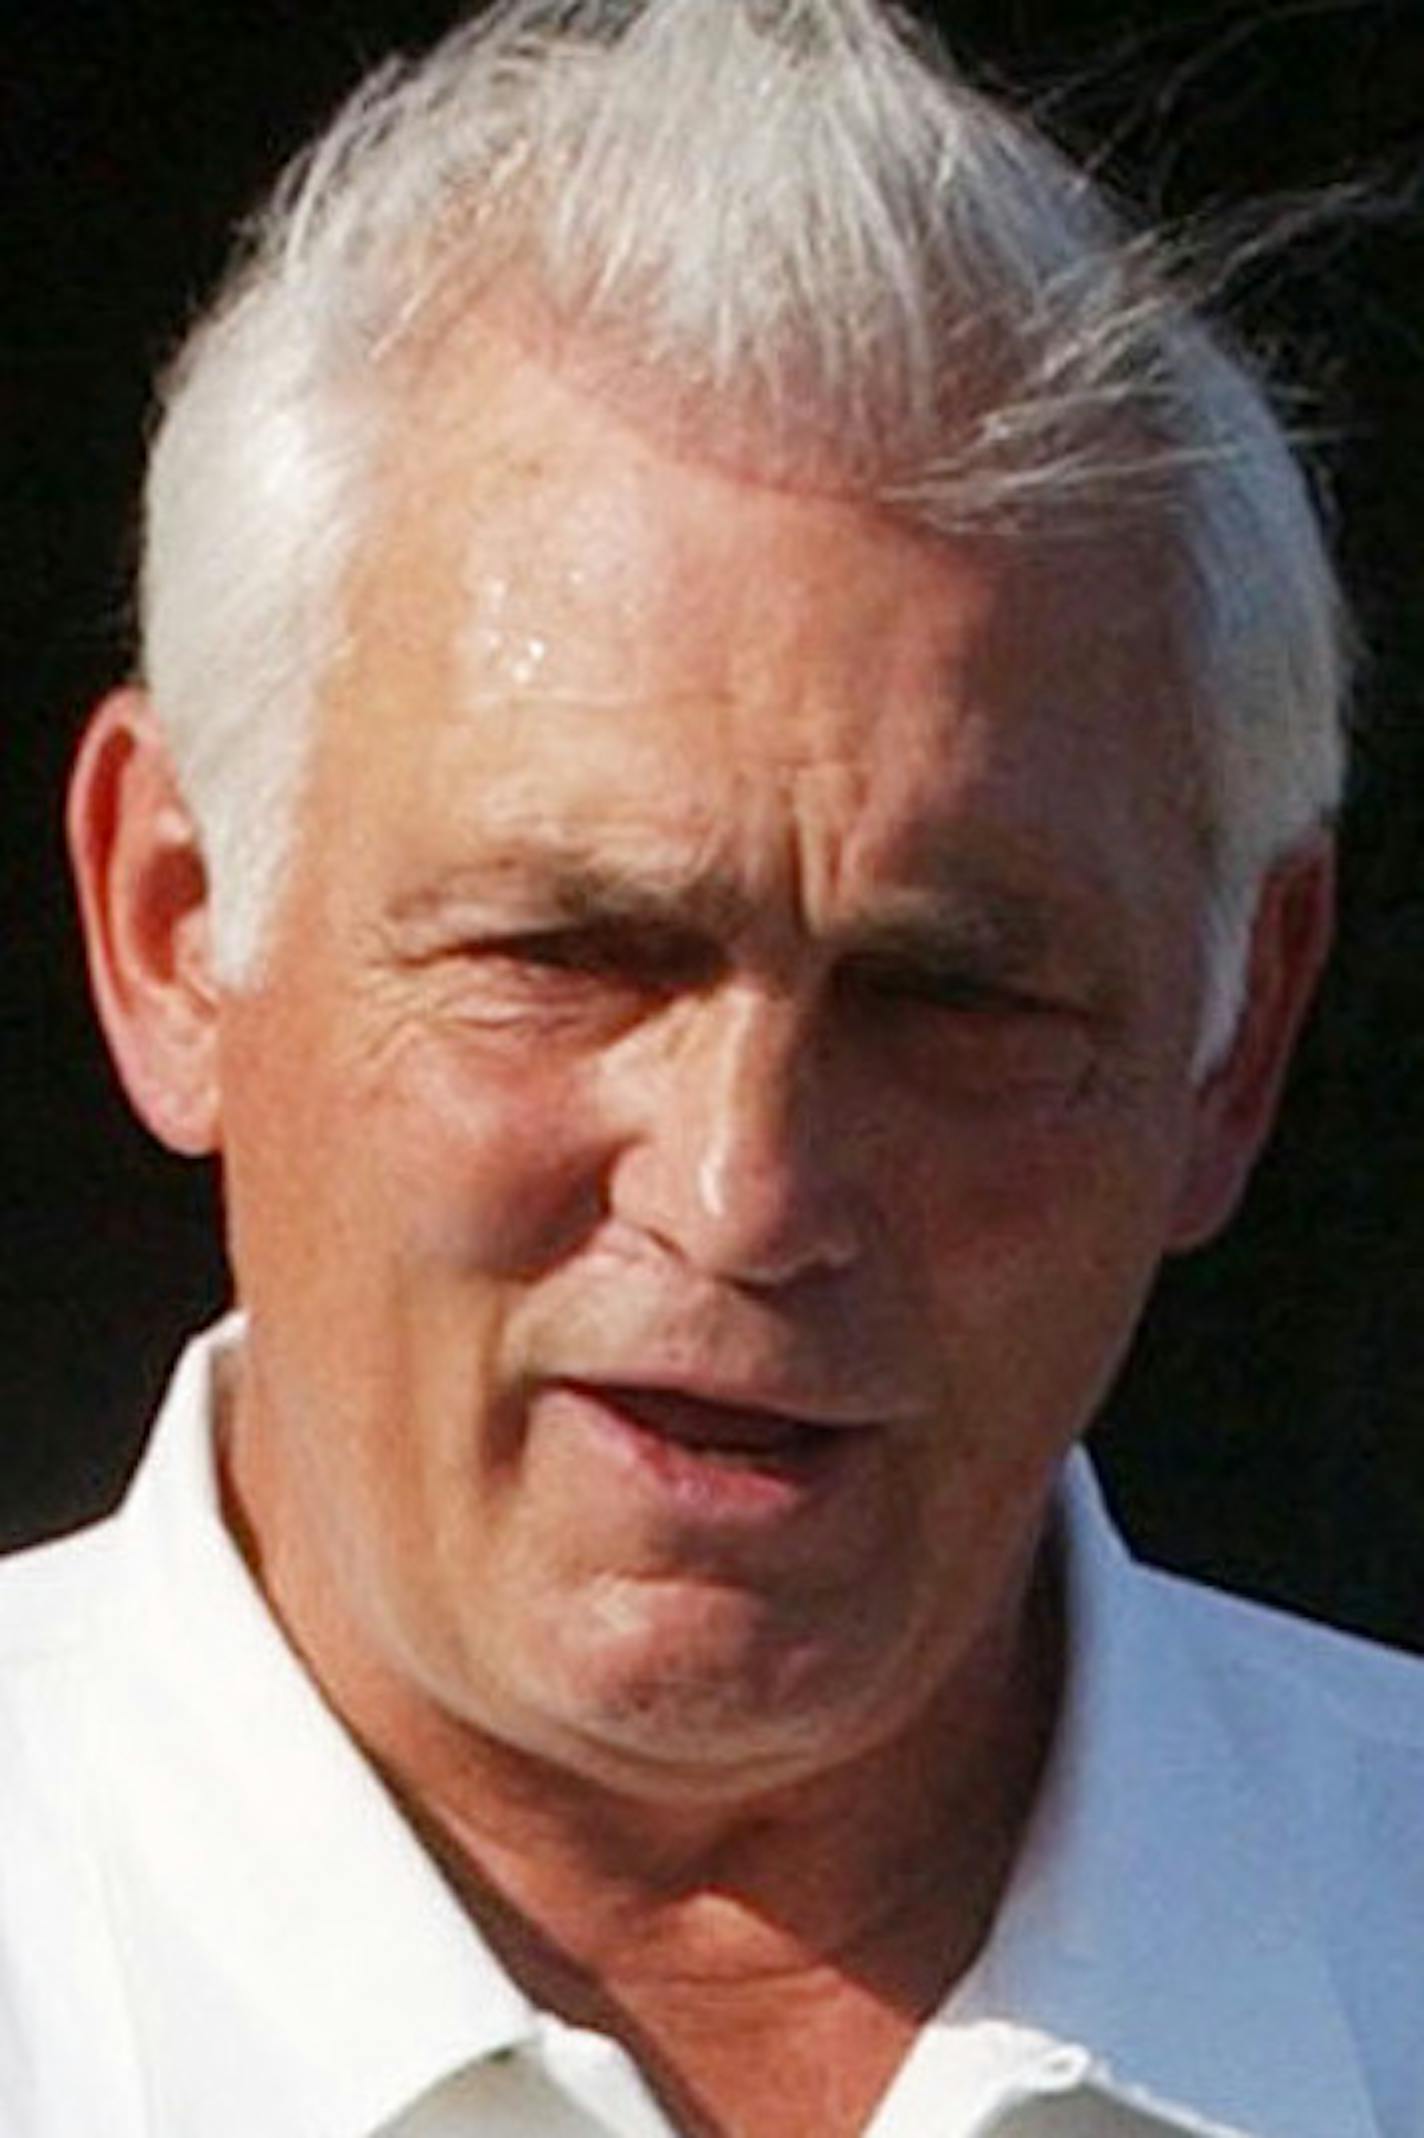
[(717, 1096)]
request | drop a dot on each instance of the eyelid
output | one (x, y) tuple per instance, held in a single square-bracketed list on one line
[(648, 951), (952, 983)]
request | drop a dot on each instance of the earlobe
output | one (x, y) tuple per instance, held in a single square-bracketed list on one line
[(142, 888), (1238, 1101)]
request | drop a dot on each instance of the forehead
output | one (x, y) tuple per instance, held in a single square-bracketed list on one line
[(554, 611)]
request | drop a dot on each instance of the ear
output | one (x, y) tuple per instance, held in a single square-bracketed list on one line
[(143, 897), (1236, 1105)]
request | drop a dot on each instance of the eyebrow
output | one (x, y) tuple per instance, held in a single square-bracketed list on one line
[(991, 931), (957, 916), (569, 884)]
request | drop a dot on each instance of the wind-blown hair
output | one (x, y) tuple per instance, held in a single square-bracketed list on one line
[(813, 233)]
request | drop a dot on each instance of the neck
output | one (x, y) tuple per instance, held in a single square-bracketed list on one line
[(887, 1868), (767, 1962)]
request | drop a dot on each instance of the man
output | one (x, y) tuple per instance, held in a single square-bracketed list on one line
[(727, 831)]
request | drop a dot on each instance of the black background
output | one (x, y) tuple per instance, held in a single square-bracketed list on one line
[(1269, 1430)]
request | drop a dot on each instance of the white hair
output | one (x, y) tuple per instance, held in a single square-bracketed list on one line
[(787, 211)]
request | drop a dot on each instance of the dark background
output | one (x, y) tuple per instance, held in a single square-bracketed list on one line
[(1269, 1430)]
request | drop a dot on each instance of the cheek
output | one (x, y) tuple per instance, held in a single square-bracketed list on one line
[(496, 1167), (1040, 1244)]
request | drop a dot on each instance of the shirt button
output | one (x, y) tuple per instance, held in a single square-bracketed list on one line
[(1062, 2069)]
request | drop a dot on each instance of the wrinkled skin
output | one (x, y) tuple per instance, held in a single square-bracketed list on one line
[(734, 948)]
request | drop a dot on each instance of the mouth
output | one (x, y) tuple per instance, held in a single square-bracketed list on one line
[(744, 1436), (722, 1460)]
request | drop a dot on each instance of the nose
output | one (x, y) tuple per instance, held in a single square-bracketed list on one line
[(734, 1163)]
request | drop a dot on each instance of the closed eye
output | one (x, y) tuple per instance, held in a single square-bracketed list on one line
[(654, 959), (973, 1039), (945, 987)]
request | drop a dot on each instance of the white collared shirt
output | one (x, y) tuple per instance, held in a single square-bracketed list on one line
[(215, 1924)]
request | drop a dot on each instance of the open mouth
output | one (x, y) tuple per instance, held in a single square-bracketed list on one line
[(739, 1437)]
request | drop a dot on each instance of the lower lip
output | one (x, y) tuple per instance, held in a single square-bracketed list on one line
[(771, 1477)]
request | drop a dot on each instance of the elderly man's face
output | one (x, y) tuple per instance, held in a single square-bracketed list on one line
[(716, 1099)]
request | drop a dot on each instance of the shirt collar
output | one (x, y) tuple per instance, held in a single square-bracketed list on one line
[(1152, 1916)]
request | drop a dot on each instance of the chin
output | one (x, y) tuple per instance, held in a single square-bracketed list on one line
[(712, 1713)]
